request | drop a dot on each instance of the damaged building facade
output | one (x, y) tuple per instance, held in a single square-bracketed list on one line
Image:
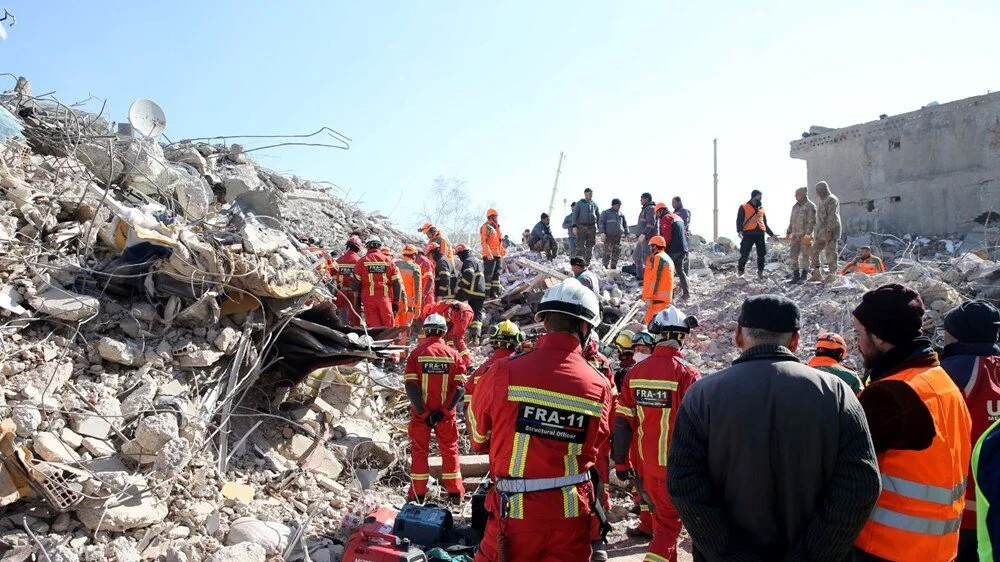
[(934, 171)]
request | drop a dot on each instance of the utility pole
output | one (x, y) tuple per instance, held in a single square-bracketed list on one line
[(555, 185), (715, 189)]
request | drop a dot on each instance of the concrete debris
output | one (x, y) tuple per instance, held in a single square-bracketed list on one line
[(242, 552), (271, 535), (154, 431), (141, 508), (64, 305), (51, 448)]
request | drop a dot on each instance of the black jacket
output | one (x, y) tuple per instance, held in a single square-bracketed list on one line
[(541, 231), (772, 460), (471, 283)]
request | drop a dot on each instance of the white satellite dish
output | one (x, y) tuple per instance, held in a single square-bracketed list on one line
[(147, 118)]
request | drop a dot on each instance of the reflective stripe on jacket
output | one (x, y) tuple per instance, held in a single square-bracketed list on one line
[(492, 240), (472, 282), (658, 282), (376, 274), (918, 514)]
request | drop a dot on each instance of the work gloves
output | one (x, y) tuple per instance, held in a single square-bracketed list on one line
[(434, 417)]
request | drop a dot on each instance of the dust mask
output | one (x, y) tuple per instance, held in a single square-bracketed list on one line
[(639, 356)]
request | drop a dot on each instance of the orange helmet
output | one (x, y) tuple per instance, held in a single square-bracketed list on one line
[(658, 241), (409, 250), (658, 207), (427, 227), (461, 248), (431, 248), (491, 213), (387, 251), (831, 341)]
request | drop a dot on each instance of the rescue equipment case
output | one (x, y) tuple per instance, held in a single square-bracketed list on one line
[(425, 525), (374, 541)]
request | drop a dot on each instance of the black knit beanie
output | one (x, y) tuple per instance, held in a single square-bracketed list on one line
[(893, 312)]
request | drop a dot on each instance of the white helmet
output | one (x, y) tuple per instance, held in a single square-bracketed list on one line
[(435, 322), (571, 298), (671, 323)]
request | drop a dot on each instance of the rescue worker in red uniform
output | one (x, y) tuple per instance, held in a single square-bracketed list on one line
[(412, 280), (472, 289), (592, 353), (623, 345), (426, 279), (381, 289), (642, 349), (971, 358), (492, 243), (646, 410), (658, 285), (459, 316), (505, 338), (348, 288), (542, 417), (434, 380)]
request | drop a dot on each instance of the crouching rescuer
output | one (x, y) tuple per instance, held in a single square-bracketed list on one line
[(647, 406), (543, 417), (434, 379)]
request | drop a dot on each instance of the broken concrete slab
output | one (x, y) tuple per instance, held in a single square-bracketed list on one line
[(98, 447), (65, 305), (199, 358), (138, 508), (311, 455), (154, 431), (121, 352), (51, 448), (242, 552)]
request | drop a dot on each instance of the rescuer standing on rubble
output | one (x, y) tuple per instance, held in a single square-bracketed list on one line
[(540, 238), (827, 231), (381, 290), (444, 273), (770, 459), (831, 349), (570, 231), (434, 236), (472, 289), (647, 409), (613, 228), (543, 434), (413, 290), (920, 427), (426, 279), (347, 285), (493, 251), (434, 380), (799, 233), (504, 339), (585, 225), (646, 228), (971, 358), (658, 284), (864, 262), (751, 225), (674, 233)]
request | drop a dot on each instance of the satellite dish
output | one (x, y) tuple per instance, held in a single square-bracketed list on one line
[(147, 118)]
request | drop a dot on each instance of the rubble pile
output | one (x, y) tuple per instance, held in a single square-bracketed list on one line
[(175, 383)]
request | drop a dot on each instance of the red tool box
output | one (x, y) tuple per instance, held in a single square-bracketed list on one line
[(374, 541)]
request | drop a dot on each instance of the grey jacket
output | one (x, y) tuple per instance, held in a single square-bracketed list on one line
[(612, 223), (772, 460), (588, 279), (585, 213), (647, 224), (540, 232)]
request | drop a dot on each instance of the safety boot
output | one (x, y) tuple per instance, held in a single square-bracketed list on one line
[(817, 276), (795, 278), (600, 549), (804, 276), (760, 274), (455, 499)]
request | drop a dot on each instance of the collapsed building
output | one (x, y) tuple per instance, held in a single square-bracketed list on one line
[(933, 172)]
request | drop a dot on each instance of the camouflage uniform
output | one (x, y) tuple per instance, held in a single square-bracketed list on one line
[(801, 224), (827, 233)]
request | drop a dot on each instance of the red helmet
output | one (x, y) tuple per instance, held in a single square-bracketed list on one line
[(355, 241), (658, 241), (831, 341), (432, 247), (461, 248), (409, 250)]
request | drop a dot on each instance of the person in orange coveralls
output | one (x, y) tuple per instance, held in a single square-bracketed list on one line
[(381, 289), (412, 278), (434, 380), (658, 284), (348, 304), (647, 407), (543, 416)]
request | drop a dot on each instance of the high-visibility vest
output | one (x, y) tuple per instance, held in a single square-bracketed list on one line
[(658, 282), (870, 266), (753, 218), (918, 514), (491, 240), (409, 274)]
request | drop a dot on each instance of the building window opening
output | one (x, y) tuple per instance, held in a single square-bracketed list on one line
[(894, 144), (895, 199)]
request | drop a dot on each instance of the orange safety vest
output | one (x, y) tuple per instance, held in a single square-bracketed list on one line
[(919, 512), (658, 281), (410, 275), (753, 218), (491, 240), (870, 266), (441, 241)]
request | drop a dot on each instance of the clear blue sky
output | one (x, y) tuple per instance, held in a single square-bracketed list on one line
[(491, 92)]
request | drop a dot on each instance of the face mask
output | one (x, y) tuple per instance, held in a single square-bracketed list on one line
[(639, 356)]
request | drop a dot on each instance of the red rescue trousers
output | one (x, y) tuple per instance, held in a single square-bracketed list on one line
[(533, 540), (666, 522), (378, 312), (420, 442), (645, 518), (604, 470), (347, 306)]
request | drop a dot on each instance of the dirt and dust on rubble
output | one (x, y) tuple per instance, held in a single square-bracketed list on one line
[(176, 387)]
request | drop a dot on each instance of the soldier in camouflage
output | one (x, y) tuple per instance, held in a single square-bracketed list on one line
[(799, 234), (827, 232)]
